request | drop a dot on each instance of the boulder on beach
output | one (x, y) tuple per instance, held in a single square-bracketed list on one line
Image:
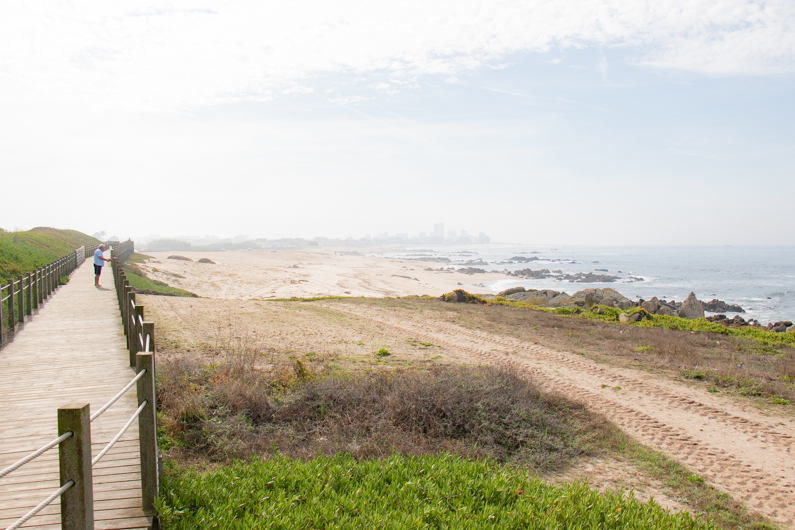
[(691, 307), (181, 258), (511, 291), (471, 270), (460, 296), (206, 260), (666, 311), (719, 306), (608, 297), (651, 306), (539, 297)]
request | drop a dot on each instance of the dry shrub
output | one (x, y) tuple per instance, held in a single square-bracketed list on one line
[(733, 363), (218, 413)]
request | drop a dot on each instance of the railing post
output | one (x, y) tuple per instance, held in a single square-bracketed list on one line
[(21, 299), (34, 286), (147, 435), (48, 279), (77, 503), (29, 293), (125, 311), (12, 321), (40, 284), (132, 327), (2, 324)]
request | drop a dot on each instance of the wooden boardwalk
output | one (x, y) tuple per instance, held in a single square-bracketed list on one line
[(72, 351)]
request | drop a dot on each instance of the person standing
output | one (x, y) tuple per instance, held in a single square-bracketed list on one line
[(99, 257)]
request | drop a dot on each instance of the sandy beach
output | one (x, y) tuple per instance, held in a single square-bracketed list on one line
[(264, 274)]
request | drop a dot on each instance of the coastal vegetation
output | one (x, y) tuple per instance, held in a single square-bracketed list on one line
[(749, 361), (22, 252), (253, 435)]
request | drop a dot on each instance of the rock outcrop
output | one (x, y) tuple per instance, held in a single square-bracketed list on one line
[(719, 306), (540, 297), (206, 260), (608, 297), (460, 296), (512, 290), (531, 274), (471, 270), (177, 257), (691, 307)]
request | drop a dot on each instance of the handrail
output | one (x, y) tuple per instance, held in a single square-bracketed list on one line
[(117, 396), (28, 292), (35, 454), (119, 435), (43, 504)]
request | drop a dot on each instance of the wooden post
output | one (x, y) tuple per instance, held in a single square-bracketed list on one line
[(34, 286), (29, 292), (48, 279), (2, 324), (77, 503), (147, 433), (148, 330), (21, 299), (125, 312), (12, 321), (132, 328), (139, 318), (42, 296)]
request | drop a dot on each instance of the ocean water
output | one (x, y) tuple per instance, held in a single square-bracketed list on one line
[(760, 279)]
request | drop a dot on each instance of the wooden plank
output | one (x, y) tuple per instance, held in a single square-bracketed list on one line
[(72, 351)]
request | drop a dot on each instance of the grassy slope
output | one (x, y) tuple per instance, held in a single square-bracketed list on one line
[(21, 252)]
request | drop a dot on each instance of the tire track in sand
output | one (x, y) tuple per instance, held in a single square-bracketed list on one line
[(751, 459)]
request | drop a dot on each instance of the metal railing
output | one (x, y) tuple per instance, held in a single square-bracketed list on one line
[(74, 422), (28, 292)]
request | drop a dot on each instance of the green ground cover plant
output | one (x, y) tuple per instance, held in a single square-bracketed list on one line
[(428, 491)]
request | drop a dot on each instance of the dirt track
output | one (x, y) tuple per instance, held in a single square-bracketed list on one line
[(738, 450)]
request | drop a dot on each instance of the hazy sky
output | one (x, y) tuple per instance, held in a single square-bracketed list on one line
[(554, 121)]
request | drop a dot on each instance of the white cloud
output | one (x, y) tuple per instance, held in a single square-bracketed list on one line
[(139, 55)]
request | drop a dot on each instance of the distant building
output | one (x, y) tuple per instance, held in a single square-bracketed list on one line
[(438, 231)]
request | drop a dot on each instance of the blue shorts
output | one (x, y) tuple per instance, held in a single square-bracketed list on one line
[(97, 270)]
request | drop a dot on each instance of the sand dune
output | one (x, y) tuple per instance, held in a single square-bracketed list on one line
[(306, 273)]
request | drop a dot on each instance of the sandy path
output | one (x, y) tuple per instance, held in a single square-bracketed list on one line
[(739, 451)]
